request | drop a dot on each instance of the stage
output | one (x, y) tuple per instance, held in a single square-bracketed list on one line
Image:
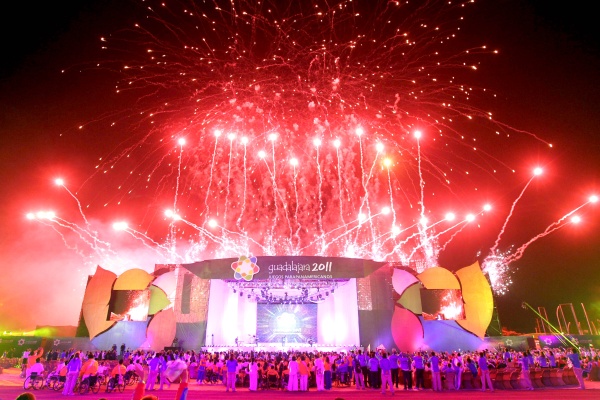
[(339, 303), (278, 347)]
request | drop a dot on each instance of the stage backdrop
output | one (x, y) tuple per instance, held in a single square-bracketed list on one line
[(192, 305)]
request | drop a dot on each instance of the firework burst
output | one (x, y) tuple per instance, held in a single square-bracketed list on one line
[(332, 129)]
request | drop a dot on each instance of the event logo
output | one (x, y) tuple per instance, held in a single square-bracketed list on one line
[(21, 342), (56, 342), (245, 268)]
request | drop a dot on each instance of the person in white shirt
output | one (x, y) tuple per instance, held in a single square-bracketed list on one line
[(293, 376), (37, 368), (319, 373)]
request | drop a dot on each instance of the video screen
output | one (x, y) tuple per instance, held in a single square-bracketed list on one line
[(286, 323), (442, 304), (129, 305)]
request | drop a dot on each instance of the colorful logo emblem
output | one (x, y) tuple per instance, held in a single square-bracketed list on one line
[(245, 268)]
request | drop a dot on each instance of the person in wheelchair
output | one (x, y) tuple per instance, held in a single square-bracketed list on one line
[(118, 371), (90, 369), (273, 377), (36, 369), (129, 377)]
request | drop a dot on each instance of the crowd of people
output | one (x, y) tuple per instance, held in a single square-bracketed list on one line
[(300, 370)]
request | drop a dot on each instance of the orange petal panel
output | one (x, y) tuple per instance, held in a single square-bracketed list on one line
[(438, 278), (95, 301), (133, 279)]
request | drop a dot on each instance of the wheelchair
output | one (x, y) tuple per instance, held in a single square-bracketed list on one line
[(115, 383), (33, 381), (89, 383)]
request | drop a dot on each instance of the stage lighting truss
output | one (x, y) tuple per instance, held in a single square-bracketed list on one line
[(286, 291)]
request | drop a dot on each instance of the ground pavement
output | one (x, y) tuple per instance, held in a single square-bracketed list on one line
[(11, 385)]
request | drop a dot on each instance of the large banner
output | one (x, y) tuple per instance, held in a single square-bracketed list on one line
[(557, 341), (273, 267)]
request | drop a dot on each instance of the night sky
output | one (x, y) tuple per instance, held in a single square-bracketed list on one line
[(545, 77)]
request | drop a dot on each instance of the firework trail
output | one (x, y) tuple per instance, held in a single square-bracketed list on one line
[(512, 209), (560, 223)]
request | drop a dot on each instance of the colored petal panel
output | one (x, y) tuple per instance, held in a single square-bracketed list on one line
[(479, 302), (167, 282), (411, 299), (158, 300), (133, 279), (438, 278), (161, 330), (407, 330), (402, 279), (95, 301)]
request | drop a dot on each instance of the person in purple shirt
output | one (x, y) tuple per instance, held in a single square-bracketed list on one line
[(231, 364), (507, 356), (573, 356), (405, 366), (153, 367), (419, 371), (363, 359), (436, 376), (484, 372), (386, 373), (394, 362), (526, 364), (552, 359), (374, 378), (73, 368)]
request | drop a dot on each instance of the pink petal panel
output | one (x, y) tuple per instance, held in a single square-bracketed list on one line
[(161, 330), (407, 330), (167, 282), (402, 279)]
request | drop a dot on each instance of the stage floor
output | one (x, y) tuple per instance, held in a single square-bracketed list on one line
[(277, 347)]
